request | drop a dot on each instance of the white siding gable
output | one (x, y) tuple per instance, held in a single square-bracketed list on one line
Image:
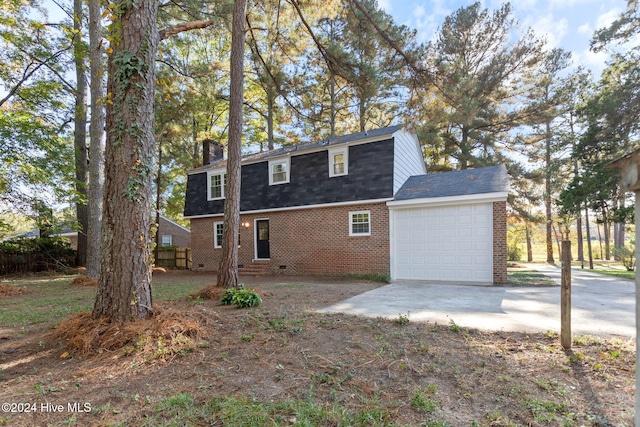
[(407, 158)]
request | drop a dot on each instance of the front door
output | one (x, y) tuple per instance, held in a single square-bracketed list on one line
[(262, 239)]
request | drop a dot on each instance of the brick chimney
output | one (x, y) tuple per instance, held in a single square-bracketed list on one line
[(212, 151)]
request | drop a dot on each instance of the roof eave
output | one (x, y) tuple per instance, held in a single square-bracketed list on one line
[(500, 196)]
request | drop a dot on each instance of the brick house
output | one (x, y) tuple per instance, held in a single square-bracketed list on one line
[(359, 203), (173, 234)]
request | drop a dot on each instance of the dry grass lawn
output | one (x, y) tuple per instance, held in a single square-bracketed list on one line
[(283, 364)]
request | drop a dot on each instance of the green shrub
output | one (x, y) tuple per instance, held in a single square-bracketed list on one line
[(514, 252), (24, 254), (241, 297), (627, 257)]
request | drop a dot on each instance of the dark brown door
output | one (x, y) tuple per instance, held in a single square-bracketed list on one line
[(262, 239)]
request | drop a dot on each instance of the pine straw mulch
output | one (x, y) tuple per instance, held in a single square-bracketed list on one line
[(83, 280), (10, 290), (169, 332), (210, 292)]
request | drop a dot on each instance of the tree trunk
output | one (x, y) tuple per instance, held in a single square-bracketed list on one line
[(618, 229), (270, 112), (576, 172), (197, 158), (361, 113), (555, 233), (547, 194), (579, 237), (332, 108), (158, 202), (529, 245), (124, 285), (600, 241), (228, 271), (332, 90), (606, 226), (80, 134), (586, 219), (465, 150), (96, 150)]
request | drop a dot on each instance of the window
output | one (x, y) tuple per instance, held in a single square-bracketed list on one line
[(217, 185), (218, 228), (166, 240), (360, 223), (338, 162), (279, 171)]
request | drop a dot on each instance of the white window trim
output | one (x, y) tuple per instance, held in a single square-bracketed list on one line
[(287, 162), (169, 240), (345, 156), (217, 245), (222, 174), (215, 234), (351, 214)]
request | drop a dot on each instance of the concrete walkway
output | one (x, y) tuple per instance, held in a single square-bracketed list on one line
[(601, 305)]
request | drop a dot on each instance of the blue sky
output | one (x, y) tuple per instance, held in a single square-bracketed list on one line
[(567, 24)]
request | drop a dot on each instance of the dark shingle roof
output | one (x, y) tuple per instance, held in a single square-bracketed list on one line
[(343, 139), (491, 179)]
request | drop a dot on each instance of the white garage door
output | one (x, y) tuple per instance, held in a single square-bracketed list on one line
[(447, 243)]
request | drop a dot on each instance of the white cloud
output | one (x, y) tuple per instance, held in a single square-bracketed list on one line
[(585, 29), (385, 5), (548, 27), (605, 19), (427, 23), (418, 12), (562, 4), (596, 62)]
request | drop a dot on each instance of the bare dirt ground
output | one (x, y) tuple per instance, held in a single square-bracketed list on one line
[(404, 372)]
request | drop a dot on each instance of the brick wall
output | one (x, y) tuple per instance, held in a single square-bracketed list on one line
[(179, 236), (304, 241), (317, 241), (499, 243)]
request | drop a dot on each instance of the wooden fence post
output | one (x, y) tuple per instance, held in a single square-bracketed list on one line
[(565, 296)]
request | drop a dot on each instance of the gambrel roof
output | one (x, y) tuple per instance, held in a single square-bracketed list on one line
[(304, 147)]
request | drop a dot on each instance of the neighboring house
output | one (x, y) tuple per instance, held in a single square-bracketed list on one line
[(173, 234), (360, 203), (170, 234), (70, 235)]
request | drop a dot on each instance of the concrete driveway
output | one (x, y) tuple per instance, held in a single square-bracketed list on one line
[(601, 305)]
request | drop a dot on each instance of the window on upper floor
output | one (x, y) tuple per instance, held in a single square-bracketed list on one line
[(217, 184), (360, 223), (338, 161), (279, 171)]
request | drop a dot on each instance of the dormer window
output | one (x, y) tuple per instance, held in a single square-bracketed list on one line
[(338, 161), (217, 184), (279, 171)]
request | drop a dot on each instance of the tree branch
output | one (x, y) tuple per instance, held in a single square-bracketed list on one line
[(411, 61), (27, 74), (193, 25)]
